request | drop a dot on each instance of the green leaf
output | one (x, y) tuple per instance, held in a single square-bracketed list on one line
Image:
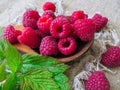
[(31, 61), (62, 81), (13, 57), (2, 72), (58, 68), (2, 50), (1, 31), (0, 87), (10, 82), (38, 79)]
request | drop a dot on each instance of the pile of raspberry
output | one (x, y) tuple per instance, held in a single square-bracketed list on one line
[(55, 34)]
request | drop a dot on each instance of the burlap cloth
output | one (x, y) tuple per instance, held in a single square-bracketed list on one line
[(11, 13)]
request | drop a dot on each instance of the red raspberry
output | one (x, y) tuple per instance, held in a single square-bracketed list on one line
[(49, 6), (111, 57), (11, 34), (85, 29), (78, 15), (99, 21), (67, 46), (48, 46), (60, 28), (40, 33), (63, 16), (30, 19), (29, 38), (97, 81), (44, 24), (49, 13), (73, 33)]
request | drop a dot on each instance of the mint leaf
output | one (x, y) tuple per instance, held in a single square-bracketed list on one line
[(31, 61), (62, 81), (2, 72), (10, 82), (38, 79), (13, 57)]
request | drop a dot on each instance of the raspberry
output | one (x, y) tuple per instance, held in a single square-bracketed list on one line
[(85, 29), (49, 6), (67, 46), (74, 34), (78, 15), (30, 18), (44, 24), (97, 81), (60, 28), (111, 57), (99, 21), (63, 16), (29, 38), (48, 46), (11, 34), (40, 33), (49, 13)]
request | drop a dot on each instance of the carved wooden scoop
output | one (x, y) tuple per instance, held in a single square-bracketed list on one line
[(83, 47)]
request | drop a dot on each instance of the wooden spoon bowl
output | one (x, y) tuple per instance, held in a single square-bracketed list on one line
[(83, 47)]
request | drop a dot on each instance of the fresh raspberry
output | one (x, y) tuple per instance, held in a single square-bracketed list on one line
[(78, 15), (111, 57), (49, 13), (40, 33), (48, 46), (67, 46), (63, 16), (49, 6), (29, 38), (74, 34), (85, 29), (44, 24), (60, 27), (11, 34), (99, 21), (30, 19), (97, 81)]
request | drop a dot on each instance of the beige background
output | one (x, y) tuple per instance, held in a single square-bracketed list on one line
[(11, 12)]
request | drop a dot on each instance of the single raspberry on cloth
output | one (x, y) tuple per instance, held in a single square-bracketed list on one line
[(111, 57), (97, 81)]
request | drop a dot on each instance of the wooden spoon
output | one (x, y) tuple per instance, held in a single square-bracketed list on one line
[(26, 49)]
